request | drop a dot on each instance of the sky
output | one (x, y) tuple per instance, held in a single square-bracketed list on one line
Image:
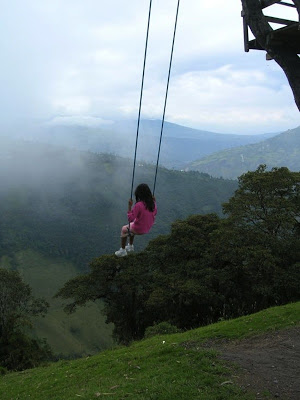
[(80, 62)]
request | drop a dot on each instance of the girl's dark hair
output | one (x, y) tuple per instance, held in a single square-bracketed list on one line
[(143, 193)]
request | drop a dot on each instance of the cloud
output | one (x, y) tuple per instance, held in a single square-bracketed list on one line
[(84, 59), (72, 105), (231, 100), (86, 121)]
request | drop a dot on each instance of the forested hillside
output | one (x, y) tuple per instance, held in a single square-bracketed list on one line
[(283, 150), (60, 208), (72, 204)]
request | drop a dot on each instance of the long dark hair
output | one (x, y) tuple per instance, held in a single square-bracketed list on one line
[(143, 193)]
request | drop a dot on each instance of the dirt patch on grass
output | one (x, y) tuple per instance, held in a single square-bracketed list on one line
[(269, 362)]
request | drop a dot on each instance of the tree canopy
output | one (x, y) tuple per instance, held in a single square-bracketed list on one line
[(207, 268)]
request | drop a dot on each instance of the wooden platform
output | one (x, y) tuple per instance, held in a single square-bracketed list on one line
[(288, 36)]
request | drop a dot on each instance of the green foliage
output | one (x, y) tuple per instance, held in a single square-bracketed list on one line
[(267, 202), (163, 328), (206, 269), (19, 351), (17, 307), (179, 368)]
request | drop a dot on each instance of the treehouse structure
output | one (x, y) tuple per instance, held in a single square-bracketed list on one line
[(287, 36)]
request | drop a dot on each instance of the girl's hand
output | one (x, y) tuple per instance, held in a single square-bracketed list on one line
[(154, 198), (130, 202)]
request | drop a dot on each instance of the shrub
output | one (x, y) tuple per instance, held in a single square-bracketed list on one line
[(163, 328)]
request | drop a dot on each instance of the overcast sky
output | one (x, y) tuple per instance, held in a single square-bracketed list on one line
[(66, 61)]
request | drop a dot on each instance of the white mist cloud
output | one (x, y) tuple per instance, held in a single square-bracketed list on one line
[(84, 60), (91, 122)]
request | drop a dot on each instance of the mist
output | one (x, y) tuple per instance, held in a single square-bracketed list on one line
[(72, 203)]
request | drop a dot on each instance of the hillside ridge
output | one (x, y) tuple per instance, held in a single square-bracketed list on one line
[(278, 151)]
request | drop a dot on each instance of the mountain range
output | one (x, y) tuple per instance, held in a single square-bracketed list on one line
[(278, 151), (180, 145)]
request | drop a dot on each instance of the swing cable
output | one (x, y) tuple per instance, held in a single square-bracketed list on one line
[(141, 97), (166, 97)]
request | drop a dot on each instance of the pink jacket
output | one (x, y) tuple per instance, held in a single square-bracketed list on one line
[(142, 218)]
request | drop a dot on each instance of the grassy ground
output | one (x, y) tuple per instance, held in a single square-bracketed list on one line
[(169, 367)]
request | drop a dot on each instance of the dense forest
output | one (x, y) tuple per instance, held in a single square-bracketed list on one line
[(208, 268)]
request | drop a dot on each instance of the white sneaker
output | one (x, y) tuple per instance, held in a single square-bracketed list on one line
[(129, 248), (121, 253)]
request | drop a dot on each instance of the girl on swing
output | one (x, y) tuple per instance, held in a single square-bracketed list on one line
[(141, 218)]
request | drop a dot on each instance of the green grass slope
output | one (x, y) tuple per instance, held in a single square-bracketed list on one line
[(280, 151), (82, 333), (164, 367)]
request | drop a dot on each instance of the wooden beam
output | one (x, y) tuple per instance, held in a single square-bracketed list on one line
[(254, 45), (246, 33), (288, 4), (281, 21), (287, 36), (267, 3)]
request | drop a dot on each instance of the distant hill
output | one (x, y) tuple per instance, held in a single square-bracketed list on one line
[(180, 144), (283, 150)]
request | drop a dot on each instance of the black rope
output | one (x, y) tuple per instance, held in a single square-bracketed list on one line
[(166, 97), (141, 97)]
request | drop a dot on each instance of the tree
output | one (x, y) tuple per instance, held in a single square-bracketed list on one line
[(17, 307), (168, 282), (267, 204), (285, 56), (262, 237)]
